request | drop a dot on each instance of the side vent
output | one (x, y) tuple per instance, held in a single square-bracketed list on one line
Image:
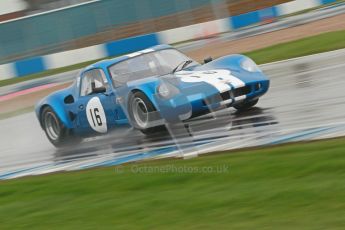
[(69, 99)]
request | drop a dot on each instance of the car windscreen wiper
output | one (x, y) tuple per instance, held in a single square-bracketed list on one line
[(183, 65)]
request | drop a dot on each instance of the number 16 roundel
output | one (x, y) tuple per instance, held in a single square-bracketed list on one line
[(96, 116)]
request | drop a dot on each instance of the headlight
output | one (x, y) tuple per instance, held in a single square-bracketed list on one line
[(166, 90), (163, 90), (249, 65)]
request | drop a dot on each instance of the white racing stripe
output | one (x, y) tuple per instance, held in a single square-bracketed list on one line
[(221, 79)]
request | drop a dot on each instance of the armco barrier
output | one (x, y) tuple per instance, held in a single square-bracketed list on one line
[(267, 14), (296, 5), (245, 19), (327, 1), (7, 71), (76, 56), (196, 31), (254, 17), (29, 66), (132, 44)]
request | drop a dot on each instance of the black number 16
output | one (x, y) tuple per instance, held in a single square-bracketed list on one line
[(95, 116)]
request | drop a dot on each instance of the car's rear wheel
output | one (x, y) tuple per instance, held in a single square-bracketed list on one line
[(140, 110), (246, 105), (55, 131)]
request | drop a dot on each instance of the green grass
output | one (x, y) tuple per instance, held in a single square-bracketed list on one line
[(299, 186), (306, 46)]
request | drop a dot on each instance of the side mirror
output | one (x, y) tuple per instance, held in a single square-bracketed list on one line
[(100, 89), (207, 60)]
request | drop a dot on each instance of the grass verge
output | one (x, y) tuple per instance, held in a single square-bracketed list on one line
[(306, 46), (298, 186)]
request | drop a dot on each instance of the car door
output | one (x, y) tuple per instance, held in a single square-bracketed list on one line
[(96, 104)]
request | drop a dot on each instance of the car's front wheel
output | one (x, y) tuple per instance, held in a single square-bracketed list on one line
[(246, 105), (140, 111), (56, 132)]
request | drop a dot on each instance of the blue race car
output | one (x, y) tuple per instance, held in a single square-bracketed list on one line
[(147, 89)]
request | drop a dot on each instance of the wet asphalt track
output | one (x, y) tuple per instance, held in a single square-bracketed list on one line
[(303, 103)]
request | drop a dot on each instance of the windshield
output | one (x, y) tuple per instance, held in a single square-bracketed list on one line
[(156, 63)]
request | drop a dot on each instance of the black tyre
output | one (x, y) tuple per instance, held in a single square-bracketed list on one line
[(56, 132), (139, 110), (246, 105)]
